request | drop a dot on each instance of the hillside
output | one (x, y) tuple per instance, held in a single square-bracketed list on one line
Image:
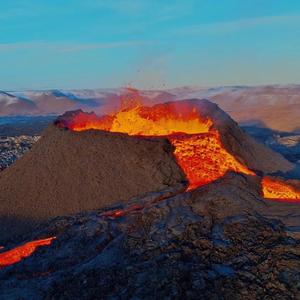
[(68, 172)]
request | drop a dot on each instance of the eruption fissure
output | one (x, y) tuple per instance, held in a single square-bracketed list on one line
[(117, 213)]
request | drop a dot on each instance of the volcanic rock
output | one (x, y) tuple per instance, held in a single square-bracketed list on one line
[(131, 231), (69, 172), (214, 242)]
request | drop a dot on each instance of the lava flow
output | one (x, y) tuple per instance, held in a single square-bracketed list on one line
[(17, 254), (274, 188), (117, 213), (203, 158), (198, 146)]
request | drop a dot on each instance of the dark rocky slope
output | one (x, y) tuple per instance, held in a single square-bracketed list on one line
[(215, 242), (68, 172)]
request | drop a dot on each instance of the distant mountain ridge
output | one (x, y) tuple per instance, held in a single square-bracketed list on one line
[(274, 106)]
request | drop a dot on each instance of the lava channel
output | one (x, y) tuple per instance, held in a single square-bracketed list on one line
[(15, 255)]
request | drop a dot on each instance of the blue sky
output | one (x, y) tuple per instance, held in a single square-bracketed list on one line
[(148, 43)]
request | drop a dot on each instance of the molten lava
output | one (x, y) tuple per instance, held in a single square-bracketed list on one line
[(198, 146), (17, 254), (203, 158), (274, 188), (160, 120), (117, 213)]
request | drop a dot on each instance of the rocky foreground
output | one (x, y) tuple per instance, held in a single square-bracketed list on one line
[(116, 215), (13, 147), (220, 241)]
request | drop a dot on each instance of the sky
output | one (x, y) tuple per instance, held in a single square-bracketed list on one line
[(148, 44)]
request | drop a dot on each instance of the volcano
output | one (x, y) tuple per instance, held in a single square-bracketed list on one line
[(178, 185), (207, 142), (86, 162)]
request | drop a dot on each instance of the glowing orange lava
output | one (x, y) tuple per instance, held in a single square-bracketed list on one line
[(159, 120), (117, 213), (203, 158), (274, 188), (17, 254), (198, 146)]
